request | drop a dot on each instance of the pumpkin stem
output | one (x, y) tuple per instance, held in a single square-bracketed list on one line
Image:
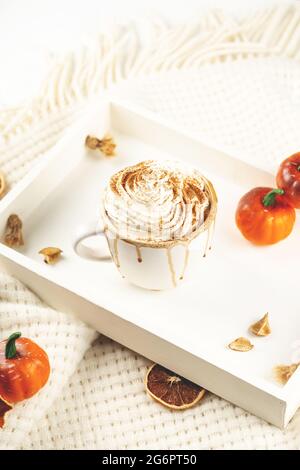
[(269, 198), (10, 348)]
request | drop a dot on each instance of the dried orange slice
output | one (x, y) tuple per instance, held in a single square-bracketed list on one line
[(172, 390)]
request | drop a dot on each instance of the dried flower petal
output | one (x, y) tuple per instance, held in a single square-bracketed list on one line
[(262, 327), (105, 145), (13, 232), (241, 344), (2, 184), (284, 372), (4, 408), (51, 254)]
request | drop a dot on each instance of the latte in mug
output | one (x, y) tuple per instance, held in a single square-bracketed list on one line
[(152, 212)]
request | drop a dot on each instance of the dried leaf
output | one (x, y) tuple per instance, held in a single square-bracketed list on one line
[(105, 145), (262, 327), (51, 254), (4, 408), (13, 231), (284, 372), (241, 344), (2, 184)]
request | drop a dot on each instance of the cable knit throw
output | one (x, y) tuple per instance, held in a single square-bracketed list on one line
[(238, 84)]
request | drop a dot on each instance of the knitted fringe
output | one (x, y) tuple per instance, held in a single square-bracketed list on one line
[(120, 54)]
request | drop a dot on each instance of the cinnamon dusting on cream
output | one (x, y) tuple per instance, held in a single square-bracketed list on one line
[(155, 203)]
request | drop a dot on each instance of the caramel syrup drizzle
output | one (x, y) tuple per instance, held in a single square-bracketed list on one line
[(138, 254), (116, 251), (186, 260), (210, 232), (171, 266)]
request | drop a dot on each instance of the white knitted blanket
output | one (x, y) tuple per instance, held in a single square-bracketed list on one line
[(237, 83)]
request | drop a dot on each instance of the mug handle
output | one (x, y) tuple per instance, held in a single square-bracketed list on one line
[(84, 233)]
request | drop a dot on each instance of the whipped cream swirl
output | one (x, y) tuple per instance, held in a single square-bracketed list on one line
[(156, 201)]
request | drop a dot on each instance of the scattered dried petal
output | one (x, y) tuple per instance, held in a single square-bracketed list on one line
[(92, 142), (105, 145), (13, 231), (2, 184), (172, 390), (4, 408), (51, 254), (262, 327), (241, 344), (284, 372)]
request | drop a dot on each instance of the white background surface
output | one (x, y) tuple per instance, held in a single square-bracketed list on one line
[(32, 30)]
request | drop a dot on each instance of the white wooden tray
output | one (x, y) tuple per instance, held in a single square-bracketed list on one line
[(185, 329)]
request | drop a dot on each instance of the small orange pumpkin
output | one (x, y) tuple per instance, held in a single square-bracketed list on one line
[(24, 370), (265, 216)]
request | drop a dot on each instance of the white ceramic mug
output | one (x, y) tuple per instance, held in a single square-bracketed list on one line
[(154, 266)]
